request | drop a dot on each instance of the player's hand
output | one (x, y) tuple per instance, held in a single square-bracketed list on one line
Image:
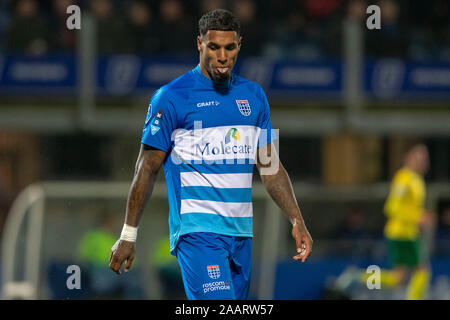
[(121, 251), (303, 241)]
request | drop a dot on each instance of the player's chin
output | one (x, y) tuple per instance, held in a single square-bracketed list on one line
[(220, 77)]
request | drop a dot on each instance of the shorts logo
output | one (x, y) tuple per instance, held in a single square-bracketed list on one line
[(216, 286), (244, 107), (213, 271)]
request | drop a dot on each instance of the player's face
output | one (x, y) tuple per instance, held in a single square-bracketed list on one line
[(423, 159), (419, 159), (218, 53)]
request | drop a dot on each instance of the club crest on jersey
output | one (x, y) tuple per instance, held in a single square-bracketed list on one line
[(244, 107), (213, 271), (155, 125)]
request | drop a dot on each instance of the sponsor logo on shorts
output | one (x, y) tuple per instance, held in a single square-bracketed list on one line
[(216, 286)]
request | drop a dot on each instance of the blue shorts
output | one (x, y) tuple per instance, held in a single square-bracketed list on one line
[(215, 266)]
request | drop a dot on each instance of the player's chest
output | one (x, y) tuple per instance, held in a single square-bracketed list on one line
[(222, 110), (417, 191)]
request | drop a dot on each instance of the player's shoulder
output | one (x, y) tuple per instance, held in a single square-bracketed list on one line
[(181, 83), (404, 175), (177, 88), (245, 84), (401, 174)]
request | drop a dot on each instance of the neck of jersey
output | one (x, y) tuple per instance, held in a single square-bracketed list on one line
[(209, 82)]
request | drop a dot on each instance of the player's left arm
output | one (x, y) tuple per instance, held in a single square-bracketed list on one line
[(279, 186)]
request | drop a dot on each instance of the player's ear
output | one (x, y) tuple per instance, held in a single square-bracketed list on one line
[(239, 43), (199, 43)]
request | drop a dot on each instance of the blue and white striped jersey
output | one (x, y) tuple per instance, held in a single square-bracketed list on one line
[(211, 134)]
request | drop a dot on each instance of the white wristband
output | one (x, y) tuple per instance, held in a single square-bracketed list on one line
[(129, 233)]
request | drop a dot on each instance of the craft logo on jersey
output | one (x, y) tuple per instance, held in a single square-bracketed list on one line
[(208, 103), (155, 125), (233, 132), (244, 107), (213, 271)]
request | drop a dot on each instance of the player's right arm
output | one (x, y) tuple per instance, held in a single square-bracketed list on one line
[(393, 205), (156, 142), (147, 166)]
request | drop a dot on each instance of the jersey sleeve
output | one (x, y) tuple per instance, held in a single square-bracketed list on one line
[(267, 134), (160, 122)]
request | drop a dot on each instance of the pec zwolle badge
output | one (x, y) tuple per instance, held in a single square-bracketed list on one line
[(213, 271), (244, 107)]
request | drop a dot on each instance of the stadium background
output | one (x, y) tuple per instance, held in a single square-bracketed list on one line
[(347, 100)]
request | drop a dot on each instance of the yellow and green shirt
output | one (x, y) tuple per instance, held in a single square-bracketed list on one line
[(404, 206)]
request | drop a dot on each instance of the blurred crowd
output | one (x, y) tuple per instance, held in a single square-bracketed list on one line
[(302, 29)]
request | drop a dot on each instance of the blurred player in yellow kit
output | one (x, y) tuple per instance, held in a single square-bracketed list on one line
[(405, 212), (404, 209)]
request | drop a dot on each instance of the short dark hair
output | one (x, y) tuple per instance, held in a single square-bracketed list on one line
[(219, 19)]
